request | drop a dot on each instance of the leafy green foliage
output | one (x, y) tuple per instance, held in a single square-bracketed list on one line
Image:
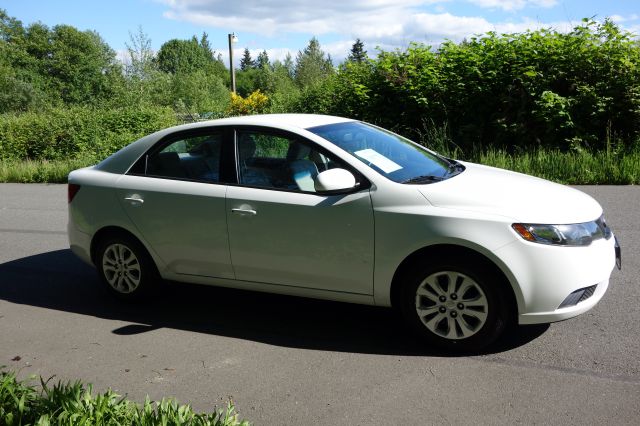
[(199, 92), (255, 103), (76, 404), (67, 133), (312, 66), (566, 91), (263, 60), (575, 93), (41, 171), (246, 62), (141, 63), (541, 88), (64, 63), (185, 56), (357, 54)]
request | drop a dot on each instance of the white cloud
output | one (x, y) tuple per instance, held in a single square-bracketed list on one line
[(511, 5), (269, 17), (500, 4), (377, 21), (620, 18), (123, 56), (387, 24)]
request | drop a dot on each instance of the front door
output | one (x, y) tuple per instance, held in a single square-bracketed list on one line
[(282, 232)]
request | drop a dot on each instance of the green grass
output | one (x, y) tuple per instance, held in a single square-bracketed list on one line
[(40, 171), (575, 168), (75, 404)]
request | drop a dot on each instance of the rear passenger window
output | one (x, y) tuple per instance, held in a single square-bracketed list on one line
[(192, 158)]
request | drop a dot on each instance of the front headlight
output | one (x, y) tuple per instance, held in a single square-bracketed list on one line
[(576, 234)]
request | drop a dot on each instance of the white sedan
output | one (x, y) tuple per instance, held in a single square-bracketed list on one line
[(338, 209)]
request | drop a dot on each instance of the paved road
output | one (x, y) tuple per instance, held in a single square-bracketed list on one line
[(286, 360)]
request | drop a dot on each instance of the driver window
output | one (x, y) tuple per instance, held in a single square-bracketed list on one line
[(280, 162)]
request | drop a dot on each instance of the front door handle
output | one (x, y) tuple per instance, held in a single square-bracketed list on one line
[(244, 211), (135, 199)]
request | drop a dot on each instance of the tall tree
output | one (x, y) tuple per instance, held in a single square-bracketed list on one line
[(80, 64), (357, 54), (141, 56), (10, 28), (246, 62), (263, 60), (311, 65), (53, 65), (183, 56), (289, 65), (206, 46)]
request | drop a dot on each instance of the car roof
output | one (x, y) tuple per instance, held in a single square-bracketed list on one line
[(122, 160), (302, 121)]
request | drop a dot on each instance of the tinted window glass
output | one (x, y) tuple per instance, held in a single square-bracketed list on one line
[(389, 154), (193, 158), (281, 162)]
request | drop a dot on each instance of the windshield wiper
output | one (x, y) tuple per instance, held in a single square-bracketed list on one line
[(424, 179)]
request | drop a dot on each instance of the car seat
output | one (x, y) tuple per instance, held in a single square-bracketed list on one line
[(303, 170)]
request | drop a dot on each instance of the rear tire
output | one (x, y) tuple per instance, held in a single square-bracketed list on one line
[(455, 306), (125, 267)]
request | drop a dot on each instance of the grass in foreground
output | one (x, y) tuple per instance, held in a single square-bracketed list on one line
[(575, 168), (75, 404)]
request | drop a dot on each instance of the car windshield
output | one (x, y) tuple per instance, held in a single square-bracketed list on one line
[(391, 155)]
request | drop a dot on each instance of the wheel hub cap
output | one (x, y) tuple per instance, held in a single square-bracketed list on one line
[(121, 268), (451, 305)]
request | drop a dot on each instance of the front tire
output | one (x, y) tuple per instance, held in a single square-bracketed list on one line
[(455, 306), (125, 267)]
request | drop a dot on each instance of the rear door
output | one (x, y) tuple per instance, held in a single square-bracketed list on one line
[(176, 199)]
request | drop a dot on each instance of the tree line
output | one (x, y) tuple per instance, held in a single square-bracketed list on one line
[(44, 67), (578, 90)]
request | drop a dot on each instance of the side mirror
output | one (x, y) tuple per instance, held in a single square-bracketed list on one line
[(334, 180)]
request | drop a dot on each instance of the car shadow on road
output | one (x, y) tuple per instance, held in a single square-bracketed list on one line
[(58, 280)]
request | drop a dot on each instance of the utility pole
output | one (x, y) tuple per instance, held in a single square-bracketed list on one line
[(232, 71)]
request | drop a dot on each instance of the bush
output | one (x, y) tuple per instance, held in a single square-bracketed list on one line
[(67, 133), (256, 103), (565, 91)]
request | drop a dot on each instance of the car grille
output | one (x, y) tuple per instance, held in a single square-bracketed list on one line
[(578, 296)]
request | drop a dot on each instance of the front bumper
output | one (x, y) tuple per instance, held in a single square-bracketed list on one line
[(567, 312), (544, 276)]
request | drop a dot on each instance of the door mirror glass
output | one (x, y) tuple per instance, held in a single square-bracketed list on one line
[(334, 180)]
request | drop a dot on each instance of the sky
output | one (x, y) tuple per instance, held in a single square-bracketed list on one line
[(280, 26)]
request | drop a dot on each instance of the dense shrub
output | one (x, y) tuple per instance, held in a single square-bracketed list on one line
[(537, 91), (63, 133), (254, 103), (566, 91)]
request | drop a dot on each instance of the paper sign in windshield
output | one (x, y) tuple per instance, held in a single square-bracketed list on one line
[(378, 160)]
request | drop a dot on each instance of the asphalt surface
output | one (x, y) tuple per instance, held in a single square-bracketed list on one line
[(286, 360)]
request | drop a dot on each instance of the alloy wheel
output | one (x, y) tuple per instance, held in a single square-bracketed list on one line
[(451, 305), (121, 268)]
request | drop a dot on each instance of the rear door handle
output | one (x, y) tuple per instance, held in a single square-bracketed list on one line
[(244, 211)]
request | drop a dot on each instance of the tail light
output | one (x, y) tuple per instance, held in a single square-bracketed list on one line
[(72, 190)]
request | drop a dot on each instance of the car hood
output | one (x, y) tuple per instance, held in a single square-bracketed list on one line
[(521, 197)]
